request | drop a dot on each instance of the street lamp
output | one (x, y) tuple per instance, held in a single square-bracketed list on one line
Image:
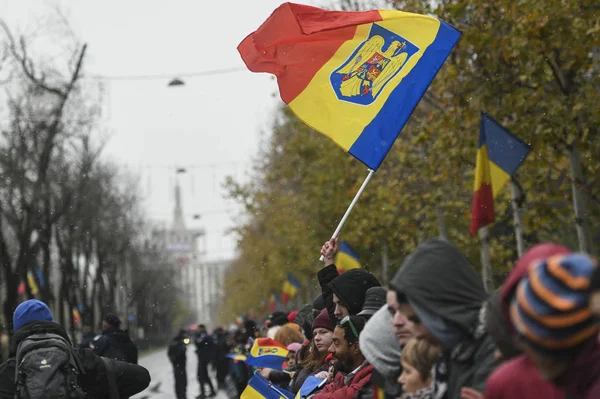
[(176, 82)]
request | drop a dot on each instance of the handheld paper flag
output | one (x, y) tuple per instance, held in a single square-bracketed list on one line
[(355, 77), (310, 385), (499, 155), (260, 388), (267, 352)]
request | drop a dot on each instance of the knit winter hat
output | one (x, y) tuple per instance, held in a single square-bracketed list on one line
[(323, 321), (551, 309), (294, 347), (29, 311)]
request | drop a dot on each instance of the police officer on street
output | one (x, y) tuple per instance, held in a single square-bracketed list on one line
[(177, 356)]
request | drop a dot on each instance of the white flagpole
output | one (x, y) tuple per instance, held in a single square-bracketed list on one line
[(486, 262), (518, 221), (354, 201)]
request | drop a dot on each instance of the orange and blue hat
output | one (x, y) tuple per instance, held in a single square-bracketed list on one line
[(551, 307)]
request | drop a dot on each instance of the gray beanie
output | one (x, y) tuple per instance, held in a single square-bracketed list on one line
[(380, 346)]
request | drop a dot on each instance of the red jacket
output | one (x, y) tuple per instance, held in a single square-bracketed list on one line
[(337, 389), (519, 379)]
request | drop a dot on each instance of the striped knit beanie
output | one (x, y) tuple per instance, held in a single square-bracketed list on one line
[(550, 310)]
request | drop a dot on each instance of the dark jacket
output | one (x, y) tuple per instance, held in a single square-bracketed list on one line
[(446, 293), (131, 379), (205, 347), (326, 276), (350, 288), (115, 344), (301, 375), (177, 352)]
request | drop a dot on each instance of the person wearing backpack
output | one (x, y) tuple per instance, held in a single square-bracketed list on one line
[(177, 355), (44, 364), (113, 342)]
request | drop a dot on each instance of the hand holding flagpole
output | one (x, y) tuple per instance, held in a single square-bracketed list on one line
[(336, 233)]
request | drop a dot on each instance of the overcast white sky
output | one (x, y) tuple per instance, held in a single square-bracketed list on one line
[(213, 120)]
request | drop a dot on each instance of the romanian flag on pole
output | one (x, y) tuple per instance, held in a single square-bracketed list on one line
[(290, 288), (499, 155), (355, 77), (261, 388), (273, 301), (346, 258), (76, 316), (32, 284), (267, 352)]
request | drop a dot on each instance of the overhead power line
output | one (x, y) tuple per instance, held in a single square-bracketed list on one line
[(168, 76)]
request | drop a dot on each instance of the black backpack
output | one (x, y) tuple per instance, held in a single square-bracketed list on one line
[(47, 367)]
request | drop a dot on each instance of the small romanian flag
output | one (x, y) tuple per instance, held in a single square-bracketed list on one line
[(237, 357), (267, 352), (32, 284), (311, 384), (260, 388), (274, 299), (499, 155), (76, 316), (346, 258), (290, 288), (355, 77)]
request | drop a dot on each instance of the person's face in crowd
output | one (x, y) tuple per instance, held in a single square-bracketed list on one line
[(411, 380), (105, 325), (549, 368), (323, 338), (342, 351), (402, 326), (291, 359), (340, 310)]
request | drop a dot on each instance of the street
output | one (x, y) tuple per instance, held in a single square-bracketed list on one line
[(162, 385)]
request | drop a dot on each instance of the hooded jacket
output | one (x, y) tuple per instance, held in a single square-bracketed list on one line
[(115, 344), (351, 288), (380, 346), (446, 293), (131, 379)]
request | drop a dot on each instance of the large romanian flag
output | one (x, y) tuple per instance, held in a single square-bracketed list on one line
[(356, 77), (499, 155)]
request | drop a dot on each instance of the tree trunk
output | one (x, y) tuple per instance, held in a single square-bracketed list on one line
[(580, 202)]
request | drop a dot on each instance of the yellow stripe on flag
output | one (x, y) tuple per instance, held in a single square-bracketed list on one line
[(346, 262), (32, 284), (420, 31)]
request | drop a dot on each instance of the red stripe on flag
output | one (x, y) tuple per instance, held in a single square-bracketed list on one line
[(285, 298), (483, 208), (296, 41)]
